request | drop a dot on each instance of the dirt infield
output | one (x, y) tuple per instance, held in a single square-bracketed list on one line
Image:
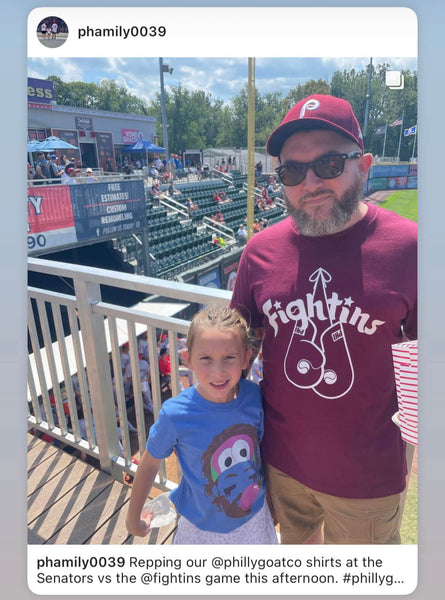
[(379, 196)]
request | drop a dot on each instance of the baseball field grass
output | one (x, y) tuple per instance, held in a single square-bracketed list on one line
[(403, 202)]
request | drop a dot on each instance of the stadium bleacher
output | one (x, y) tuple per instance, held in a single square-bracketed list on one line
[(177, 243)]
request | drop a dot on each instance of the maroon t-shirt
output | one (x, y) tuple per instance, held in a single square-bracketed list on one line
[(331, 308)]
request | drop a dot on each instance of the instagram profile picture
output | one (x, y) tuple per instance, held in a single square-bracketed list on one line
[(52, 32)]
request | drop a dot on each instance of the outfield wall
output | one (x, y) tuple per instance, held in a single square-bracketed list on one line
[(391, 177)]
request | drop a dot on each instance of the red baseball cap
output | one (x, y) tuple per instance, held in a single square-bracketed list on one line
[(317, 112)]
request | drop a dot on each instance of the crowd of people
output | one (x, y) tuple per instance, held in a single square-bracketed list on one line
[(50, 168)]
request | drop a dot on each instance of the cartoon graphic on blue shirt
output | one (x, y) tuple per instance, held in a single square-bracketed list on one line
[(230, 467)]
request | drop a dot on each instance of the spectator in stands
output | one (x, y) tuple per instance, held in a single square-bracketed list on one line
[(90, 178), (158, 163), (218, 217), (265, 195), (69, 177), (191, 206), (143, 346), (144, 375), (242, 233), (256, 372), (125, 361), (31, 172), (260, 202), (163, 342), (154, 191), (224, 197), (219, 241), (42, 167), (172, 191), (256, 227), (165, 369), (54, 168), (258, 169), (153, 172), (217, 197)]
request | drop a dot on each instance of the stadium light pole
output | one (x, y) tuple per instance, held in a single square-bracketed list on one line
[(164, 69), (250, 146), (368, 98)]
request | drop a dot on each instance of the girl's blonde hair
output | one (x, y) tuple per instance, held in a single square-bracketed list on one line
[(221, 318)]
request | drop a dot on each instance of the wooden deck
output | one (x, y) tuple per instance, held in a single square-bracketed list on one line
[(71, 502)]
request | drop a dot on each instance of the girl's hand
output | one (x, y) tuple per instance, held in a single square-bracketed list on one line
[(142, 527)]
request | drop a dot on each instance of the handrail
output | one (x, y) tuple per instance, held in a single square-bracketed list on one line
[(173, 204), (219, 227)]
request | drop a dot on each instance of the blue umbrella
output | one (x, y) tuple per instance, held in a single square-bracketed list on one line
[(143, 146), (33, 146), (54, 143)]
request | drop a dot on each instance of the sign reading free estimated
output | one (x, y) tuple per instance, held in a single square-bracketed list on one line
[(61, 216)]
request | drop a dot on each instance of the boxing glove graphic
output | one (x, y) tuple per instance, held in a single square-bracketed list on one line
[(338, 373), (304, 361)]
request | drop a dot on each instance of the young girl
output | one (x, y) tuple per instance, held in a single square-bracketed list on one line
[(215, 427)]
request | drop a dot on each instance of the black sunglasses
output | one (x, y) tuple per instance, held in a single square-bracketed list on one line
[(328, 166)]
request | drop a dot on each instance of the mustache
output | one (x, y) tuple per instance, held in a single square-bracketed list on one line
[(311, 195)]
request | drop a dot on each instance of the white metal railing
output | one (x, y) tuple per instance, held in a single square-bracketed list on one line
[(72, 394), (173, 204), (219, 228)]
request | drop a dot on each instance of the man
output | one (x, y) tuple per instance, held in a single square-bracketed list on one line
[(53, 168), (42, 167), (330, 289)]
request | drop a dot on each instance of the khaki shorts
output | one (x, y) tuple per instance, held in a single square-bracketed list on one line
[(301, 512)]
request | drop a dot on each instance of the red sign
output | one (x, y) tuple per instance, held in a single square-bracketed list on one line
[(50, 217), (37, 105), (129, 136)]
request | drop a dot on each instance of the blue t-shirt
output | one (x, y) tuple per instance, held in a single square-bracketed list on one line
[(218, 448)]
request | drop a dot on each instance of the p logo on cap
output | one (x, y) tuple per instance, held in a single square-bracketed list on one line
[(309, 105)]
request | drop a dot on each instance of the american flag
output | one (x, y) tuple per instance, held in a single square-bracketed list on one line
[(397, 122)]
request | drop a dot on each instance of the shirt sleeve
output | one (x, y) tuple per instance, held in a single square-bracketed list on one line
[(162, 437)]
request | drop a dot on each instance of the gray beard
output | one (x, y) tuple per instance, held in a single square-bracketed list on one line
[(342, 211)]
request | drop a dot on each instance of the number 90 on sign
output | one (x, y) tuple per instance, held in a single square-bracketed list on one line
[(38, 241)]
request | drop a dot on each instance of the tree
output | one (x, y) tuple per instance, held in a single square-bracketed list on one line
[(302, 91), (105, 96), (386, 106)]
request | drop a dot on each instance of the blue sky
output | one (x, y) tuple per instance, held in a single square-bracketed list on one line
[(222, 77)]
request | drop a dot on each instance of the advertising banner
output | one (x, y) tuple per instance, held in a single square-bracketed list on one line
[(129, 136), (388, 171), (50, 218), (229, 269), (37, 134), (108, 209), (379, 183), (40, 92), (105, 151), (397, 183), (70, 136), (84, 123), (64, 215), (210, 279)]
